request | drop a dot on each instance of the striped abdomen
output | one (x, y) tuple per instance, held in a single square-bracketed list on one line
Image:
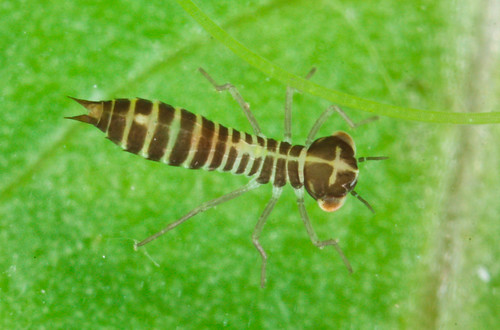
[(177, 137)]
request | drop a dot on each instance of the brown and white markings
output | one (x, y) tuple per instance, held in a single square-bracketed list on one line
[(326, 167)]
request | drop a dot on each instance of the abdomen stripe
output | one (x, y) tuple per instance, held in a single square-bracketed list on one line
[(106, 113), (183, 141), (160, 138), (177, 137), (118, 120), (138, 130), (220, 148), (204, 144)]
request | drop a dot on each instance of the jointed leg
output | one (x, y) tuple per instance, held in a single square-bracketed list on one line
[(312, 234), (327, 113), (258, 230), (317, 125), (288, 108), (238, 98), (203, 207), (349, 120)]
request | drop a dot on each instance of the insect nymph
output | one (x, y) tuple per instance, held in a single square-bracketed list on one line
[(326, 167)]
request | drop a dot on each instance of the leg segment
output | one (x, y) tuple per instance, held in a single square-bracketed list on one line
[(327, 113), (317, 125), (349, 120), (288, 108), (202, 208), (238, 98), (258, 230), (312, 234)]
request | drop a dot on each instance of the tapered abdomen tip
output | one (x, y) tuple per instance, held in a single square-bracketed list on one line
[(94, 111), (84, 118)]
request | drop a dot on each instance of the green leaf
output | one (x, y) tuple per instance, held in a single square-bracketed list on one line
[(340, 98), (72, 204)]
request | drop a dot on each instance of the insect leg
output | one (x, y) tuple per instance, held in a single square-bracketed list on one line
[(327, 113), (317, 125), (312, 234), (202, 208), (349, 120), (238, 98), (288, 108), (258, 230)]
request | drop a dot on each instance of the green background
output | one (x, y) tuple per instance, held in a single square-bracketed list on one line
[(72, 204)]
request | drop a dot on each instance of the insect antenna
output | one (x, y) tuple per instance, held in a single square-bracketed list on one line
[(364, 159), (362, 200)]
